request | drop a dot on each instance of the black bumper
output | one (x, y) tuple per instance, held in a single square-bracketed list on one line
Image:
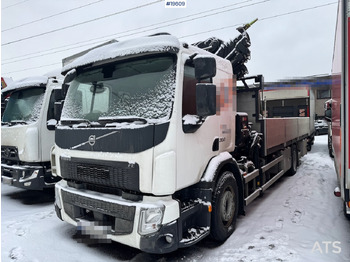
[(157, 243), (179, 233), (27, 177)]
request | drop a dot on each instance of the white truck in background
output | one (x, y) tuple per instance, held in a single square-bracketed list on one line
[(154, 146), (28, 132)]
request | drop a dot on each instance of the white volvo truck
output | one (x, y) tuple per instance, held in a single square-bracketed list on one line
[(154, 146), (28, 132)]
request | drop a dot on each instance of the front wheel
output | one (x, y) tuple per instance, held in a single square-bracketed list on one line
[(225, 207)]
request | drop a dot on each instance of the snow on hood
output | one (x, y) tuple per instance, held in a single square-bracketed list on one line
[(159, 43), (26, 82)]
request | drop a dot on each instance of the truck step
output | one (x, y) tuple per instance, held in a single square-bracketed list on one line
[(194, 235)]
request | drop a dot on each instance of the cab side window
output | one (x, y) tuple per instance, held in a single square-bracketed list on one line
[(189, 91), (51, 109)]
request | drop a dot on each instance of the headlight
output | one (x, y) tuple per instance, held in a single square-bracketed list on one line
[(150, 220)]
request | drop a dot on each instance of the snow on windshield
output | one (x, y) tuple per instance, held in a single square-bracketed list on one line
[(24, 105), (142, 88), (155, 104)]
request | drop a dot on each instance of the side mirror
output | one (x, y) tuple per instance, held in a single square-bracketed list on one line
[(58, 94), (328, 115), (205, 67), (58, 110), (328, 110), (205, 99), (68, 78), (65, 89), (51, 124)]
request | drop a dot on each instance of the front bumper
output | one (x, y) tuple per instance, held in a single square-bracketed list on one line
[(118, 218), (27, 177)]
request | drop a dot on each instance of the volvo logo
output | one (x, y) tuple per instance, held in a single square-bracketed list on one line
[(92, 140)]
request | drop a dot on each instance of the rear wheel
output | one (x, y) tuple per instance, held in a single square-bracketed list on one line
[(330, 150), (225, 207), (308, 147), (346, 214), (292, 171)]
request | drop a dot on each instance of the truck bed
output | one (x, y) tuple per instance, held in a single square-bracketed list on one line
[(280, 132)]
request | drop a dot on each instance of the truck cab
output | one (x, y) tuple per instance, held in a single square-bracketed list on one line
[(27, 133), (138, 128)]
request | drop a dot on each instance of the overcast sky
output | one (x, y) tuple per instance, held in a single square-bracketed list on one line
[(293, 38)]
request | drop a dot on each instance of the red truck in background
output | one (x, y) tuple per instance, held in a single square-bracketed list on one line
[(340, 105)]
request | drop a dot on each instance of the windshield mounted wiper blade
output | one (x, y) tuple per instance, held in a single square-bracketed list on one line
[(15, 122), (79, 123), (118, 119)]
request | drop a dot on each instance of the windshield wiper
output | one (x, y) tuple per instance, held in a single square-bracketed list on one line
[(122, 119), (80, 123), (15, 122)]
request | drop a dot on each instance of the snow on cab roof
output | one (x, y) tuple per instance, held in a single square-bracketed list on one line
[(156, 43), (26, 82)]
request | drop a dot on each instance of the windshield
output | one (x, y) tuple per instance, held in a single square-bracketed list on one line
[(138, 89), (24, 105)]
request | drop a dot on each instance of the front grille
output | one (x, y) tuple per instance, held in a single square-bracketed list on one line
[(119, 217), (121, 175), (9, 153), (95, 172), (107, 208)]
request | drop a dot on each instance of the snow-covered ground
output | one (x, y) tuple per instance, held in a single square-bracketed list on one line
[(297, 219)]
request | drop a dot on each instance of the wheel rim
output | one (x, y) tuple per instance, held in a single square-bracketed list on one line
[(227, 206)]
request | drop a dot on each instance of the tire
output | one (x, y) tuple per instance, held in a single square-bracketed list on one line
[(293, 169), (308, 147), (225, 207), (345, 214), (330, 151)]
